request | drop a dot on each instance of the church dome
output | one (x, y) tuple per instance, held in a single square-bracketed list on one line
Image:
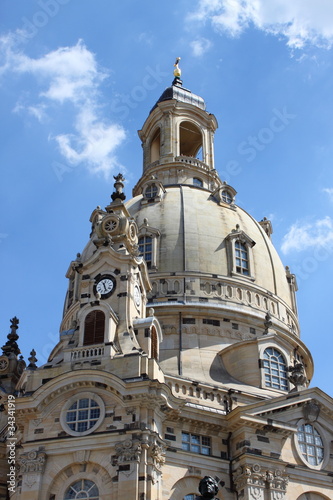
[(202, 239)]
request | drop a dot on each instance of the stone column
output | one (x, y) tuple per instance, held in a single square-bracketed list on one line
[(32, 465)]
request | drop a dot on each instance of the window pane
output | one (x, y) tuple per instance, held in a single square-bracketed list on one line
[(275, 369), (83, 419), (310, 444)]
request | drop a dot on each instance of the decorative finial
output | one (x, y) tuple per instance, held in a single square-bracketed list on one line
[(11, 344), (297, 374), (177, 72), (32, 360), (119, 186)]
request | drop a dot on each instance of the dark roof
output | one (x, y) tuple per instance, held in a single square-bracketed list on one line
[(181, 94)]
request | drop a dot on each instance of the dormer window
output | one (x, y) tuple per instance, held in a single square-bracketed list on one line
[(151, 191), (146, 249), (226, 196), (239, 252), (148, 241), (241, 258)]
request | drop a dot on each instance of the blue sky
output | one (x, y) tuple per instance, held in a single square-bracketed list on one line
[(77, 80)]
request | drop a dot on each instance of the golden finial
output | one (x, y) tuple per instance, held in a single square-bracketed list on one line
[(177, 71)]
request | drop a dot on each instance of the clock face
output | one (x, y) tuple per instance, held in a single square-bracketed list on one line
[(105, 286), (3, 363), (137, 296)]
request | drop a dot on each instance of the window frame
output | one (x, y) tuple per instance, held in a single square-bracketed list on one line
[(198, 443), (82, 480), (147, 197), (143, 251), (75, 398), (325, 438), (97, 339), (147, 231), (231, 240), (283, 387)]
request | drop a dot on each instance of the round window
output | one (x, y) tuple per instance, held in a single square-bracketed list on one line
[(151, 191), (82, 414), (310, 444)]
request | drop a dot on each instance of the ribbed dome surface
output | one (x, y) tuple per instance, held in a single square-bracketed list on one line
[(183, 95), (193, 229)]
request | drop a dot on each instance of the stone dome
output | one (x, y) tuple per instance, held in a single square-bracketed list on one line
[(196, 233)]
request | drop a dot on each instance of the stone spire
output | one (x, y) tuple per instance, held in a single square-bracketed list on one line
[(11, 344)]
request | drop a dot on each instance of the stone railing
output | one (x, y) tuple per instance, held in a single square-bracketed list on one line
[(190, 160), (87, 353)]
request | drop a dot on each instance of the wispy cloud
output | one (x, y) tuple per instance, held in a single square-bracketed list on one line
[(200, 46), (329, 191), (68, 75), (302, 236), (299, 22)]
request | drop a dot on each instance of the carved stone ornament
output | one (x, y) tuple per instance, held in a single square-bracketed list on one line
[(158, 456), (128, 451), (249, 475), (30, 480), (297, 375), (256, 480), (277, 480), (311, 411), (32, 461)]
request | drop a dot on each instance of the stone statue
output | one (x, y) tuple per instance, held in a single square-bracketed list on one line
[(208, 488)]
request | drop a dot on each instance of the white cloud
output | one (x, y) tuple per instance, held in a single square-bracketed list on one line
[(94, 143), (329, 191), (200, 46), (300, 22), (302, 236), (69, 75), (38, 111)]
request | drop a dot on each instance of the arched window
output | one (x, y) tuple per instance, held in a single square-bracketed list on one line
[(146, 249), (155, 146), (275, 369), (242, 258), (82, 489), (154, 350), (94, 326), (310, 443), (190, 139), (197, 182)]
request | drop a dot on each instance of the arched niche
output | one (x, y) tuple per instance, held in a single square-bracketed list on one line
[(311, 495)]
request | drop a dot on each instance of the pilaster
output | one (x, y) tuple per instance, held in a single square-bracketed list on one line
[(32, 466), (253, 482)]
